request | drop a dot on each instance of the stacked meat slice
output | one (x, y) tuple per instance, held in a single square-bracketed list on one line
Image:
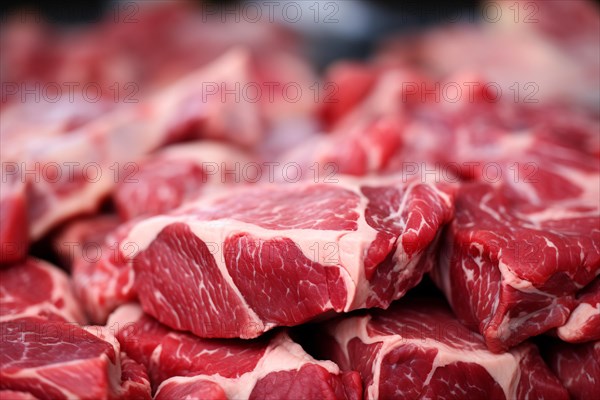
[(342, 246), (53, 297), (512, 271), (521, 248), (63, 361), (567, 362), (272, 366), (46, 353), (417, 349)]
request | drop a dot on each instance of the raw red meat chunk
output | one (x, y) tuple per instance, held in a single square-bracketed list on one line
[(59, 360), (514, 259), (417, 349), (279, 255), (35, 288), (272, 366), (577, 366)]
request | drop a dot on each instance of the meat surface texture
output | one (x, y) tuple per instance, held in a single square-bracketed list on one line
[(194, 207), (512, 265), (100, 280), (82, 238), (181, 365), (577, 366), (59, 360), (35, 288), (45, 352), (583, 324), (15, 395), (77, 169), (315, 249), (178, 174), (417, 349), (14, 235)]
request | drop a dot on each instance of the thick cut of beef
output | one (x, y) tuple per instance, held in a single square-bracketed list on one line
[(516, 254), (417, 349), (583, 324), (35, 288), (184, 366), (302, 378), (315, 248), (577, 366), (59, 360), (177, 174)]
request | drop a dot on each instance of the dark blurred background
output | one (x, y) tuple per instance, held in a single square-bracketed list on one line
[(362, 23)]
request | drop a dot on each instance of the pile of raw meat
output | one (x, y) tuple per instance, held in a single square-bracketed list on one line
[(188, 211)]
